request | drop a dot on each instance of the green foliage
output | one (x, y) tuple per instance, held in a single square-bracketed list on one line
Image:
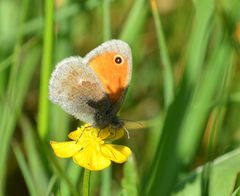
[(222, 177), (185, 90), (130, 179)]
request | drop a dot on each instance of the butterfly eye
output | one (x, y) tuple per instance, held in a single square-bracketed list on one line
[(118, 59)]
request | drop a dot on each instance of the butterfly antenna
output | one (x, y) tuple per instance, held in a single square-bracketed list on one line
[(128, 135)]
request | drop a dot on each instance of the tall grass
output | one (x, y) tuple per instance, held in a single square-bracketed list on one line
[(45, 68), (185, 89)]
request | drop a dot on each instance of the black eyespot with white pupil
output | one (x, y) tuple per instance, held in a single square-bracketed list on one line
[(118, 59)]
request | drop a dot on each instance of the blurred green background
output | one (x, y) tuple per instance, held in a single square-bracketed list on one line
[(185, 92)]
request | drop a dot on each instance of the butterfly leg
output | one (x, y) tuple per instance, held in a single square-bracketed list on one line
[(99, 132), (82, 133), (112, 132)]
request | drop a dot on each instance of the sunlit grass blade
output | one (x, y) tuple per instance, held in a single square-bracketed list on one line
[(59, 122), (201, 103), (61, 173), (199, 40), (51, 185), (24, 169), (74, 172), (215, 123), (35, 157), (180, 140), (106, 182), (43, 107), (17, 49), (36, 24), (134, 22), (130, 181), (12, 107), (6, 63), (3, 84), (165, 159), (227, 165), (106, 20), (237, 185), (164, 57), (236, 192)]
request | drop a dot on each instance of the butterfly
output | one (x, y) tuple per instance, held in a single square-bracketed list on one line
[(92, 88)]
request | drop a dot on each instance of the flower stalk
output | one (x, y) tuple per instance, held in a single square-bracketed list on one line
[(86, 182)]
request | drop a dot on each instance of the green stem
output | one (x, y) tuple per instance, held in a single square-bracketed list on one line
[(86, 182), (106, 182), (163, 54), (45, 69), (106, 20)]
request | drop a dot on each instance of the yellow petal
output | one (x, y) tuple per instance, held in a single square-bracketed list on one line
[(65, 149), (86, 128), (91, 158), (103, 133), (111, 134), (118, 134), (116, 153), (75, 135)]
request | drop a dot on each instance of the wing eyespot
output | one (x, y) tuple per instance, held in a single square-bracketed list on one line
[(118, 59)]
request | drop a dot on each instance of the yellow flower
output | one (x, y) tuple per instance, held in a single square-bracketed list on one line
[(89, 148)]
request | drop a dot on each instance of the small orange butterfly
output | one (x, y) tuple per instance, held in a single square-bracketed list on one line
[(93, 88)]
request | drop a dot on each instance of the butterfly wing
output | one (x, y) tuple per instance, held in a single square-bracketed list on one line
[(112, 64), (72, 85), (92, 88)]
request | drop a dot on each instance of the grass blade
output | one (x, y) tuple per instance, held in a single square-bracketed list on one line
[(106, 182), (45, 69), (11, 109), (163, 54), (106, 20), (180, 140), (199, 40), (24, 168), (135, 19), (227, 165), (35, 157), (130, 179)]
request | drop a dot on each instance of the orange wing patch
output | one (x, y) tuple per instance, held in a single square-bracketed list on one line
[(113, 75)]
